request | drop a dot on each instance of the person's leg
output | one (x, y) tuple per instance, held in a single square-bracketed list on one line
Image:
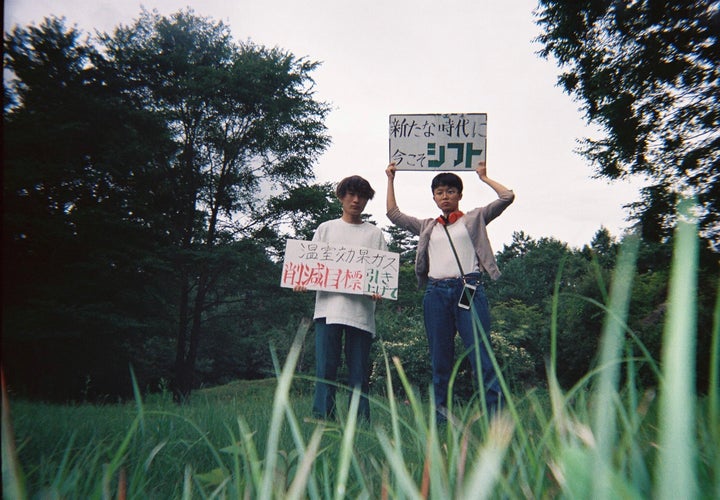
[(465, 320), (357, 357), (440, 330), (328, 349)]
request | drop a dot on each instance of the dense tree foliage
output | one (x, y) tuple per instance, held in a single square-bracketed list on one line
[(244, 122), (546, 286), (74, 256), (135, 167), (150, 179), (648, 74)]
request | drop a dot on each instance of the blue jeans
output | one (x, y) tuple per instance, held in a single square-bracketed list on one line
[(443, 318), (328, 357)]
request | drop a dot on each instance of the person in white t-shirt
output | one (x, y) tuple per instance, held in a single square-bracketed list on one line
[(341, 314)]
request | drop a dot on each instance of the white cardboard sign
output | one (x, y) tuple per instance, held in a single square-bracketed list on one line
[(335, 267), (438, 141)]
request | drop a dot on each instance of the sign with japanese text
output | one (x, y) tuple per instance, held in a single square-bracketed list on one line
[(334, 267), (438, 141)]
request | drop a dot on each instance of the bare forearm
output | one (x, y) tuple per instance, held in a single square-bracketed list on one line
[(495, 185), (391, 202)]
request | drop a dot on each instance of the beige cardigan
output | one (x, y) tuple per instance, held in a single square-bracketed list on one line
[(475, 221)]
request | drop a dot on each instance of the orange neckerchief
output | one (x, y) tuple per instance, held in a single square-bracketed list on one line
[(450, 219)]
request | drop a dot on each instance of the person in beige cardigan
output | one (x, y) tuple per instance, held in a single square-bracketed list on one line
[(454, 251)]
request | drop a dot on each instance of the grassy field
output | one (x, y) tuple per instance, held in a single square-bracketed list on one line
[(604, 438), (216, 446), (225, 443)]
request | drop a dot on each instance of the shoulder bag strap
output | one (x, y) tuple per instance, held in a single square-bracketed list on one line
[(457, 259)]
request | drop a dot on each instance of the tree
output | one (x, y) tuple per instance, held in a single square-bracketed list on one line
[(523, 299), (602, 247), (74, 258), (648, 73), (302, 209), (402, 242), (245, 124), (135, 165), (530, 270), (520, 246)]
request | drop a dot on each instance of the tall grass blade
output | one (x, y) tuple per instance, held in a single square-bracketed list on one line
[(557, 405), (138, 399), (403, 477), (488, 465), (633, 418), (187, 484), (425, 483), (412, 397), (578, 481), (64, 468), (280, 402), (438, 468), (252, 458), (647, 356), (604, 421), (392, 402), (675, 472), (714, 388), (12, 477), (120, 453), (714, 385), (554, 320), (508, 400), (346, 448), (297, 488), (153, 454), (300, 447)]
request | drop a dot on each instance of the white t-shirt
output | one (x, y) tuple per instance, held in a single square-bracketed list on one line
[(443, 263), (357, 311)]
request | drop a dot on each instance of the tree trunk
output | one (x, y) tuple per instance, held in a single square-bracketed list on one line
[(182, 384)]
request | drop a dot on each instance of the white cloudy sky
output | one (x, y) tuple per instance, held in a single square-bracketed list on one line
[(383, 57)]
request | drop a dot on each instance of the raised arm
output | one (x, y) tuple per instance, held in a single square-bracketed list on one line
[(482, 173), (391, 202)]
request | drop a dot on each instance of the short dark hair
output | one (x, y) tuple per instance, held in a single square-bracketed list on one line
[(355, 184), (447, 179)]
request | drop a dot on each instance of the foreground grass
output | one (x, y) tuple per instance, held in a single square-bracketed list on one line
[(205, 449), (604, 438)]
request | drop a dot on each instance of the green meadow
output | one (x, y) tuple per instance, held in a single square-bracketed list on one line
[(606, 437)]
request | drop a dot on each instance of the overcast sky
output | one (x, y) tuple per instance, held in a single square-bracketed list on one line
[(383, 57)]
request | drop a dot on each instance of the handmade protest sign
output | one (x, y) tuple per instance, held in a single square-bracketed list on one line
[(438, 141), (334, 267)]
